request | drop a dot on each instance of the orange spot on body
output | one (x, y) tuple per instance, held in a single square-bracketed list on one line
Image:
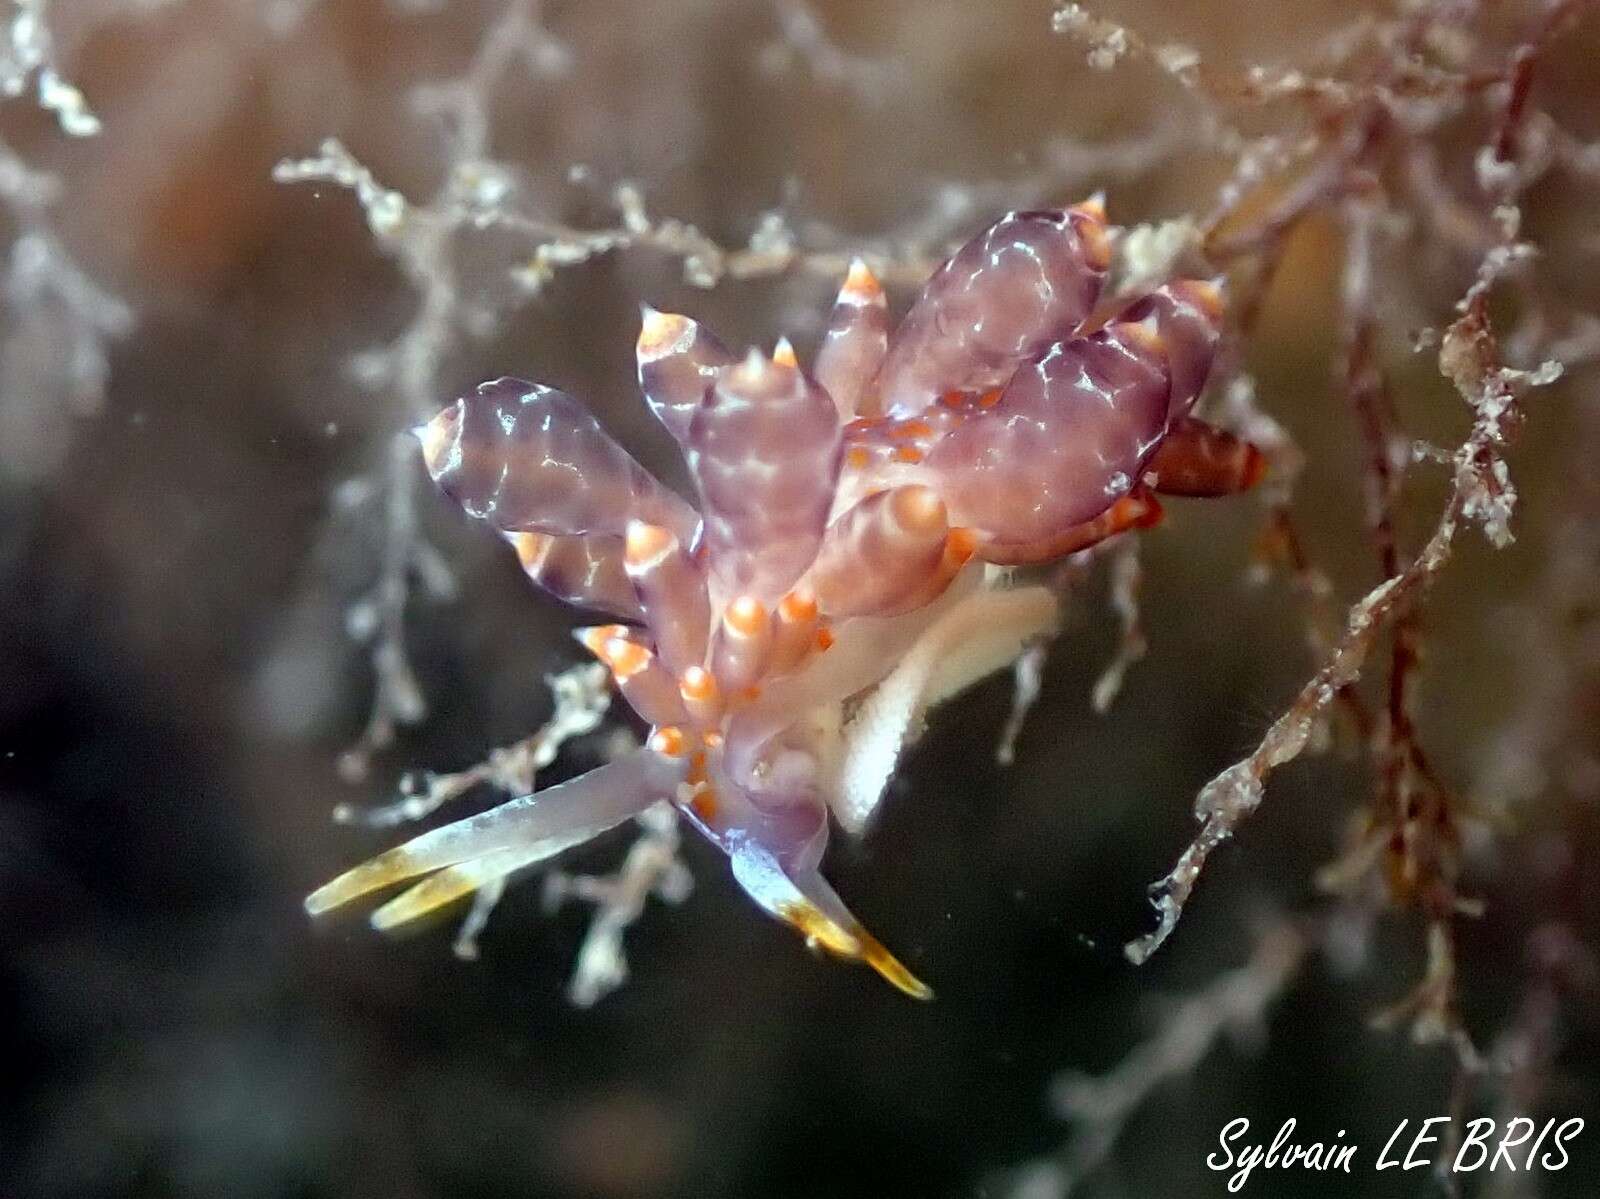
[(597, 640), (858, 459), (910, 430), (860, 284), (908, 453), (746, 616), (644, 542), (989, 398), (659, 332), (798, 606), (626, 658), (698, 683), (668, 741), (824, 639)]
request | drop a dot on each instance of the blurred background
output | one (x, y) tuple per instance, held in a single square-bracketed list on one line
[(202, 371)]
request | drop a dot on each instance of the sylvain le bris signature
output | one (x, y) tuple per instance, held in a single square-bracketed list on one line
[(1483, 1144)]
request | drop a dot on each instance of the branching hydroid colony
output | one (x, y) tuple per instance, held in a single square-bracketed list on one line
[(844, 555)]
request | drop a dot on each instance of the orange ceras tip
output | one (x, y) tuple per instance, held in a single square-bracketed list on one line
[(668, 741), (918, 509), (659, 332), (1142, 335), (860, 284), (626, 658), (783, 353), (799, 606), (961, 544), (824, 639), (1255, 466), (530, 547), (1205, 294), (643, 542), (1141, 510), (746, 616), (749, 371), (436, 436), (597, 639), (1096, 243), (1093, 207), (698, 683)]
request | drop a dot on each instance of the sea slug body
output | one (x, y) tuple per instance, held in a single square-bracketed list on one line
[(840, 573)]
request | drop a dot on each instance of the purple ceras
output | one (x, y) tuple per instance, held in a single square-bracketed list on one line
[(839, 575)]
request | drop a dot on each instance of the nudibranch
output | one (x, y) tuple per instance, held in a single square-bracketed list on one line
[(841, 571)]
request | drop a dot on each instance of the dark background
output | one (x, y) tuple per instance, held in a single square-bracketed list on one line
[(176, 688)]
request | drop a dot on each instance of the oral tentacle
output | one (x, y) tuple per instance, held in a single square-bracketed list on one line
[(539, 824), (800, 897), (455, 882)]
